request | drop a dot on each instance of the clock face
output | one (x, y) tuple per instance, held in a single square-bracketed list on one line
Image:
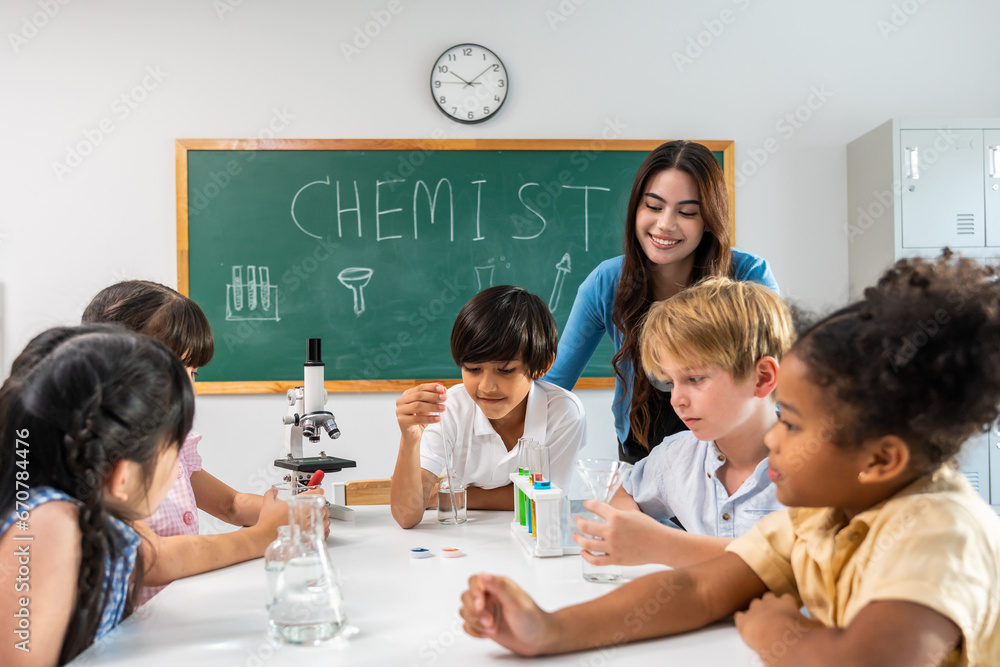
[(469, 83)]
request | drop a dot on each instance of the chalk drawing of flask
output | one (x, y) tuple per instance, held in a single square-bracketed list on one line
[(355, 280)]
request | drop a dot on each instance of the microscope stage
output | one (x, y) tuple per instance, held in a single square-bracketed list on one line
[(314, 463)]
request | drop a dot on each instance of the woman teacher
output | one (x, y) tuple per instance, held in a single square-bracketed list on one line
[(677, 231)]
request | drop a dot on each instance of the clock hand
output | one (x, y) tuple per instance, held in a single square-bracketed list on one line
[(480, 74), (460, 78)]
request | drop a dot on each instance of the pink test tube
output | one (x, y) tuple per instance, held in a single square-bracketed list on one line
[(539, 465)]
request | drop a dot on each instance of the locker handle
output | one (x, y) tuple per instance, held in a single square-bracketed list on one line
[(993, 157), (912, 163)]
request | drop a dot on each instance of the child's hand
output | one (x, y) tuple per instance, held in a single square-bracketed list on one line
[(273, 513), (496, 608), (418, 407), (769, 618), (623, 538), (326, 511)]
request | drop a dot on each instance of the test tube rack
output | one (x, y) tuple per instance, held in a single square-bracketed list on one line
[(538, 522)]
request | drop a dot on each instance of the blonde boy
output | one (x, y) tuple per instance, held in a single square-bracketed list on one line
[(716, 348)]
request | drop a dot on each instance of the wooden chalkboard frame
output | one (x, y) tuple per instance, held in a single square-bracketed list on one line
[(183, 146)]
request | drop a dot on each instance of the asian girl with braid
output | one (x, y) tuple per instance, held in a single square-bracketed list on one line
[(91, 423), (172, 531)]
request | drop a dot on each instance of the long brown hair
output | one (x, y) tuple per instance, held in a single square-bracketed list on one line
[(712, 257)]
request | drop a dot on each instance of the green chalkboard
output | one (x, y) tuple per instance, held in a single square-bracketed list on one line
[(374, 246)]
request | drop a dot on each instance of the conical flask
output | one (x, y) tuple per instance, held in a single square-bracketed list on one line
[(307, 605), (603, 478)]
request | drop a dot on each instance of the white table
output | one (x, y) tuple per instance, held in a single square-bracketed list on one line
[(405, 609)]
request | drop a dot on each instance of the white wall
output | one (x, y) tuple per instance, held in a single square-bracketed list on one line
[(231, 73)]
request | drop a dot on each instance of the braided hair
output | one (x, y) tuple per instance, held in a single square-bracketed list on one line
[(92, 397)]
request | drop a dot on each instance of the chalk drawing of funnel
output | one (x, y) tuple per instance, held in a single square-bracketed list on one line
[(355, 279)]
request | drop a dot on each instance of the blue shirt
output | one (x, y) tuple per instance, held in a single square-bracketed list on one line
[(590, 320), (116, 571), (680, 479)]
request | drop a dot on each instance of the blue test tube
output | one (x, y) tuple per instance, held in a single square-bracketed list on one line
[(540, 465)]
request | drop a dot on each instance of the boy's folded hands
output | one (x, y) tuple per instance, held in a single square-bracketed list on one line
[(497, 608)]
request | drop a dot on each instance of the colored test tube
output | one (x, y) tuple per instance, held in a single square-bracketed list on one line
[(527, 510), (520, 498), (540, 465), (522, 470)]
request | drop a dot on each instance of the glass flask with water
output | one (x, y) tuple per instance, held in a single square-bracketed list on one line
[(306, 605), (276, 557)]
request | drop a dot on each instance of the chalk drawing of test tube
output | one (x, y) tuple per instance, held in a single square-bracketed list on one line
[(562, 268), (254, 299)]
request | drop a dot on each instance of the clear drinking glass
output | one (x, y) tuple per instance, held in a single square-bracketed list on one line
[(450, 514), (307, 606), (603, 478), (284, 489)]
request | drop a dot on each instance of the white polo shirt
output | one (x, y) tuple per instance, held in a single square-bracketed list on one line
[(679, 479), (554, 417)]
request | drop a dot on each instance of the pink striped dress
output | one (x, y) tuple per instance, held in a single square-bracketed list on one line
[(178, 513)]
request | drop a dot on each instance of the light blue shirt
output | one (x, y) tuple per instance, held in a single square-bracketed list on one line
[(678, 479), (117, 570), (590, 320)]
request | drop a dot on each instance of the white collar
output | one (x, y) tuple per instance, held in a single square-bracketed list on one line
[(535, 417)]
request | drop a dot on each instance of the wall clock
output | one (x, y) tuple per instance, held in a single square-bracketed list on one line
[(469, 83)]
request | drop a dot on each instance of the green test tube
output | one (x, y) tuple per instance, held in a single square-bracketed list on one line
[(521, 499)]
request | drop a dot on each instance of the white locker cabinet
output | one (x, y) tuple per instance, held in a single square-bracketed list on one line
[(942, 194), (914, 187), (974, 461), (995, 467), (991, 143)]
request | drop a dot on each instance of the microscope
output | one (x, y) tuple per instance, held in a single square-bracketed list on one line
[(308, 418)]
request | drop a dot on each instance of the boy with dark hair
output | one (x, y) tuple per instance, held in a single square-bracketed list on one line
[(504, 339)]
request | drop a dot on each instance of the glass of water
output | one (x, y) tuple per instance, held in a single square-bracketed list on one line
[(451, 513)]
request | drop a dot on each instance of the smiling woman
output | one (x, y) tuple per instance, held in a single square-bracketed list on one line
[(677, 231)]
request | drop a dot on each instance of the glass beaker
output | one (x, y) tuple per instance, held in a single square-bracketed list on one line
[(603, 478), (450, 513), (283, 490), (307, 606)]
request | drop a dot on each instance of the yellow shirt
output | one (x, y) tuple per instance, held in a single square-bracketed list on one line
[(935, 543)]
